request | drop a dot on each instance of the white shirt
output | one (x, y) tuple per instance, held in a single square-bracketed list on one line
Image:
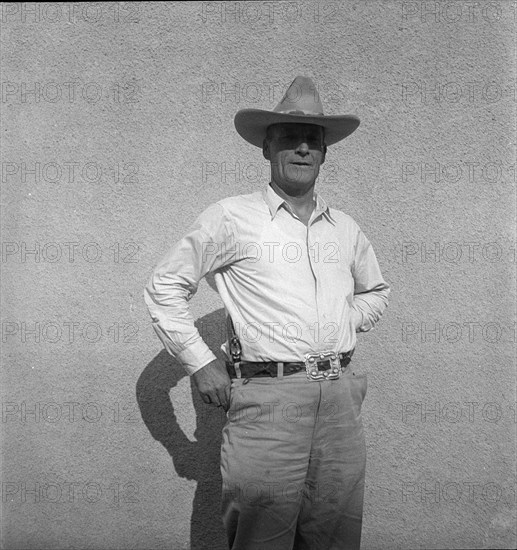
[(289, 288)]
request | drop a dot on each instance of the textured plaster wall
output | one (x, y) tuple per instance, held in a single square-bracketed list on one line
[(117, 130)]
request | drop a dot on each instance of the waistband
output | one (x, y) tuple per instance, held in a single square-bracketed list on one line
[(249, 369)]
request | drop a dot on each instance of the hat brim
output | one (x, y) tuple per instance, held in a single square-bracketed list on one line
[(252, 124)]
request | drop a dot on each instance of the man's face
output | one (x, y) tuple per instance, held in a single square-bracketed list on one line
[(296, 152)]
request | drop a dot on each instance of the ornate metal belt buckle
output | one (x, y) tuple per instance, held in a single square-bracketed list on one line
[(324, 365)]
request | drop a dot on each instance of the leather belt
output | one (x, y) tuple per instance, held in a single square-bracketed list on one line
[(270, 368)]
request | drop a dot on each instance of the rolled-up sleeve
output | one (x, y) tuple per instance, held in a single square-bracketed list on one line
[(175, 280), (370, 289)]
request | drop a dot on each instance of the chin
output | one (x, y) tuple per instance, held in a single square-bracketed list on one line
[(297, 188), (301, 180)]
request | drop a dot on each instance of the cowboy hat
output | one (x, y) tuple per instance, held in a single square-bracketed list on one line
[(300, 104)]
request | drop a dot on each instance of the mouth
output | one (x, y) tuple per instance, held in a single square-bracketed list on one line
[(300, 163)]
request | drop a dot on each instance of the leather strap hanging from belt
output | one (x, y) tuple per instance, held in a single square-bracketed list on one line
[(233, 341)]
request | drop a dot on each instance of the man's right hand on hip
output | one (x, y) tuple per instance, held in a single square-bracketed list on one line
[(213, 383)]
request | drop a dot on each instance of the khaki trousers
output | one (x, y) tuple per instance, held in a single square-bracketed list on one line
[(293, 462)]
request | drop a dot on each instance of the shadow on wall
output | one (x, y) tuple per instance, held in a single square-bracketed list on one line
[(198, 460)]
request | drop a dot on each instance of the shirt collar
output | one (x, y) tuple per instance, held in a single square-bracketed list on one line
[(274, 202)]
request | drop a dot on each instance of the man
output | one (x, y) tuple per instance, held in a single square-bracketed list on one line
[(297, 279)]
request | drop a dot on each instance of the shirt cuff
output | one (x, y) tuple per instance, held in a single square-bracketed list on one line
[(195, 357)]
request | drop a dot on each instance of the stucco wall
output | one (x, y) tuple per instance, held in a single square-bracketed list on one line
[(117, 130)]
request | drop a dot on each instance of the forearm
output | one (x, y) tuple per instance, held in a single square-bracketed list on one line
[(174, 326), (371, 305)]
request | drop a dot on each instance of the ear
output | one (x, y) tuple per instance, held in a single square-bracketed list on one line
[(265, 149)]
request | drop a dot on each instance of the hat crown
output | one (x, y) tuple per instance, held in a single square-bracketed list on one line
[(301, 98)]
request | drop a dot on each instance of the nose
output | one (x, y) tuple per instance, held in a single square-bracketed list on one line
[(303, 148)]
